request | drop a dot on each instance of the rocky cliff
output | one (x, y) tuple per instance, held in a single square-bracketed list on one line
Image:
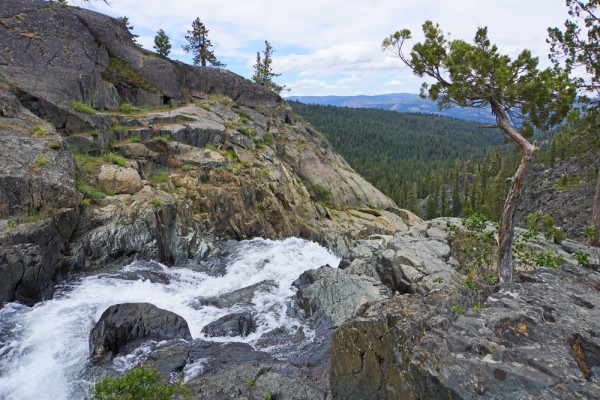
[(446, 336), (108, 153)]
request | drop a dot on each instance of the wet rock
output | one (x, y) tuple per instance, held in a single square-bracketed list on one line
[(535, 339), (237, 371), (215, 357), (241, 296), (121, 324), (30, 257), (255, 382), (329, 296), (169, 357), (236, 324)]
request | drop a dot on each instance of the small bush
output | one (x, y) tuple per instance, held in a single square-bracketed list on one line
[(40, 160), (154, 202), (582, 257), (39, 130), (82, 107), (125, 108), (139, 383)]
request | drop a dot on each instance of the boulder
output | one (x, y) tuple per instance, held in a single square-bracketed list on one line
[(119, 179), (257, 382), (416, 261), (236, 324), (215, 357), (169, 357), (537, 339), (121, 324), (329, 296), (237, 371), (241, 296)]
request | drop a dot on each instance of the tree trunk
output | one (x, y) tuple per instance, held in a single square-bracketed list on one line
[(596, 212), (507, 223)]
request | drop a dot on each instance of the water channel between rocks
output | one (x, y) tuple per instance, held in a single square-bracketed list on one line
[(44, 349)]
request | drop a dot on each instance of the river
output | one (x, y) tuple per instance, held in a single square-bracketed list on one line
[(44, 349)]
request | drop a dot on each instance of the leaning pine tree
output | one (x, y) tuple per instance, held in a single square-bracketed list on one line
[(475, 75)]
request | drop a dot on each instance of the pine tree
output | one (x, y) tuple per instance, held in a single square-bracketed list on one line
[(162, 44), (263, 73), (134, 37), (411, 198), (456, 201), (477, 75), (199, 45)]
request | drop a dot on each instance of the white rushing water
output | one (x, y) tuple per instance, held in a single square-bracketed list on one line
[(44, 349)]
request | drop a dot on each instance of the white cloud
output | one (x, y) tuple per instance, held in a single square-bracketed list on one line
[(394, 82), (335, 39)]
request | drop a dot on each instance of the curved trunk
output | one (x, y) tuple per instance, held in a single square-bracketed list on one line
[(504, 257)]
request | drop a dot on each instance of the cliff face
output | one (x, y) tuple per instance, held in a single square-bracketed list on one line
[(204, 154)]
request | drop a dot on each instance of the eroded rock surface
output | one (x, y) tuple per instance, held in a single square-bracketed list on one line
[(538, 339)]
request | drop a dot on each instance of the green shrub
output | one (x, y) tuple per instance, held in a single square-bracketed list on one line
[(590, 233), (82, 107), (141, 383), (41, 160), (125, 108), (582, 257), (154, 202), (458, 309), (11, 224), (39, 130), (89, 191)]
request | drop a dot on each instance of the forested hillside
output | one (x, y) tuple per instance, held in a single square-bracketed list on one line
[(412, 156)]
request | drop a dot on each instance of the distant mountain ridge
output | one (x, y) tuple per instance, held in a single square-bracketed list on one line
[(401, 102)]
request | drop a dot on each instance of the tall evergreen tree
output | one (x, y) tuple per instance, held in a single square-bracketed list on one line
[(263, 72), (456, 200), (162, 45), (476, 75), (199, 45), (411, 198)]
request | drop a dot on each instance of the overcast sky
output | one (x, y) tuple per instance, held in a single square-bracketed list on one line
[(333, 47)]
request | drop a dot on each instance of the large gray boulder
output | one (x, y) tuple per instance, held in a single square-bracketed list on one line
[(124, 323), (237, 371), (416, 261), (329, 296), (236, 324)]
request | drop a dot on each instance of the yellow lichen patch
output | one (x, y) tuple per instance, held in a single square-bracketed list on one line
[(580, 357)]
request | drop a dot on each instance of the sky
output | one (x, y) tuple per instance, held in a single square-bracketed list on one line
[(333, 47)]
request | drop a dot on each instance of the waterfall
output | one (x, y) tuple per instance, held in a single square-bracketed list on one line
[(44, 349)]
